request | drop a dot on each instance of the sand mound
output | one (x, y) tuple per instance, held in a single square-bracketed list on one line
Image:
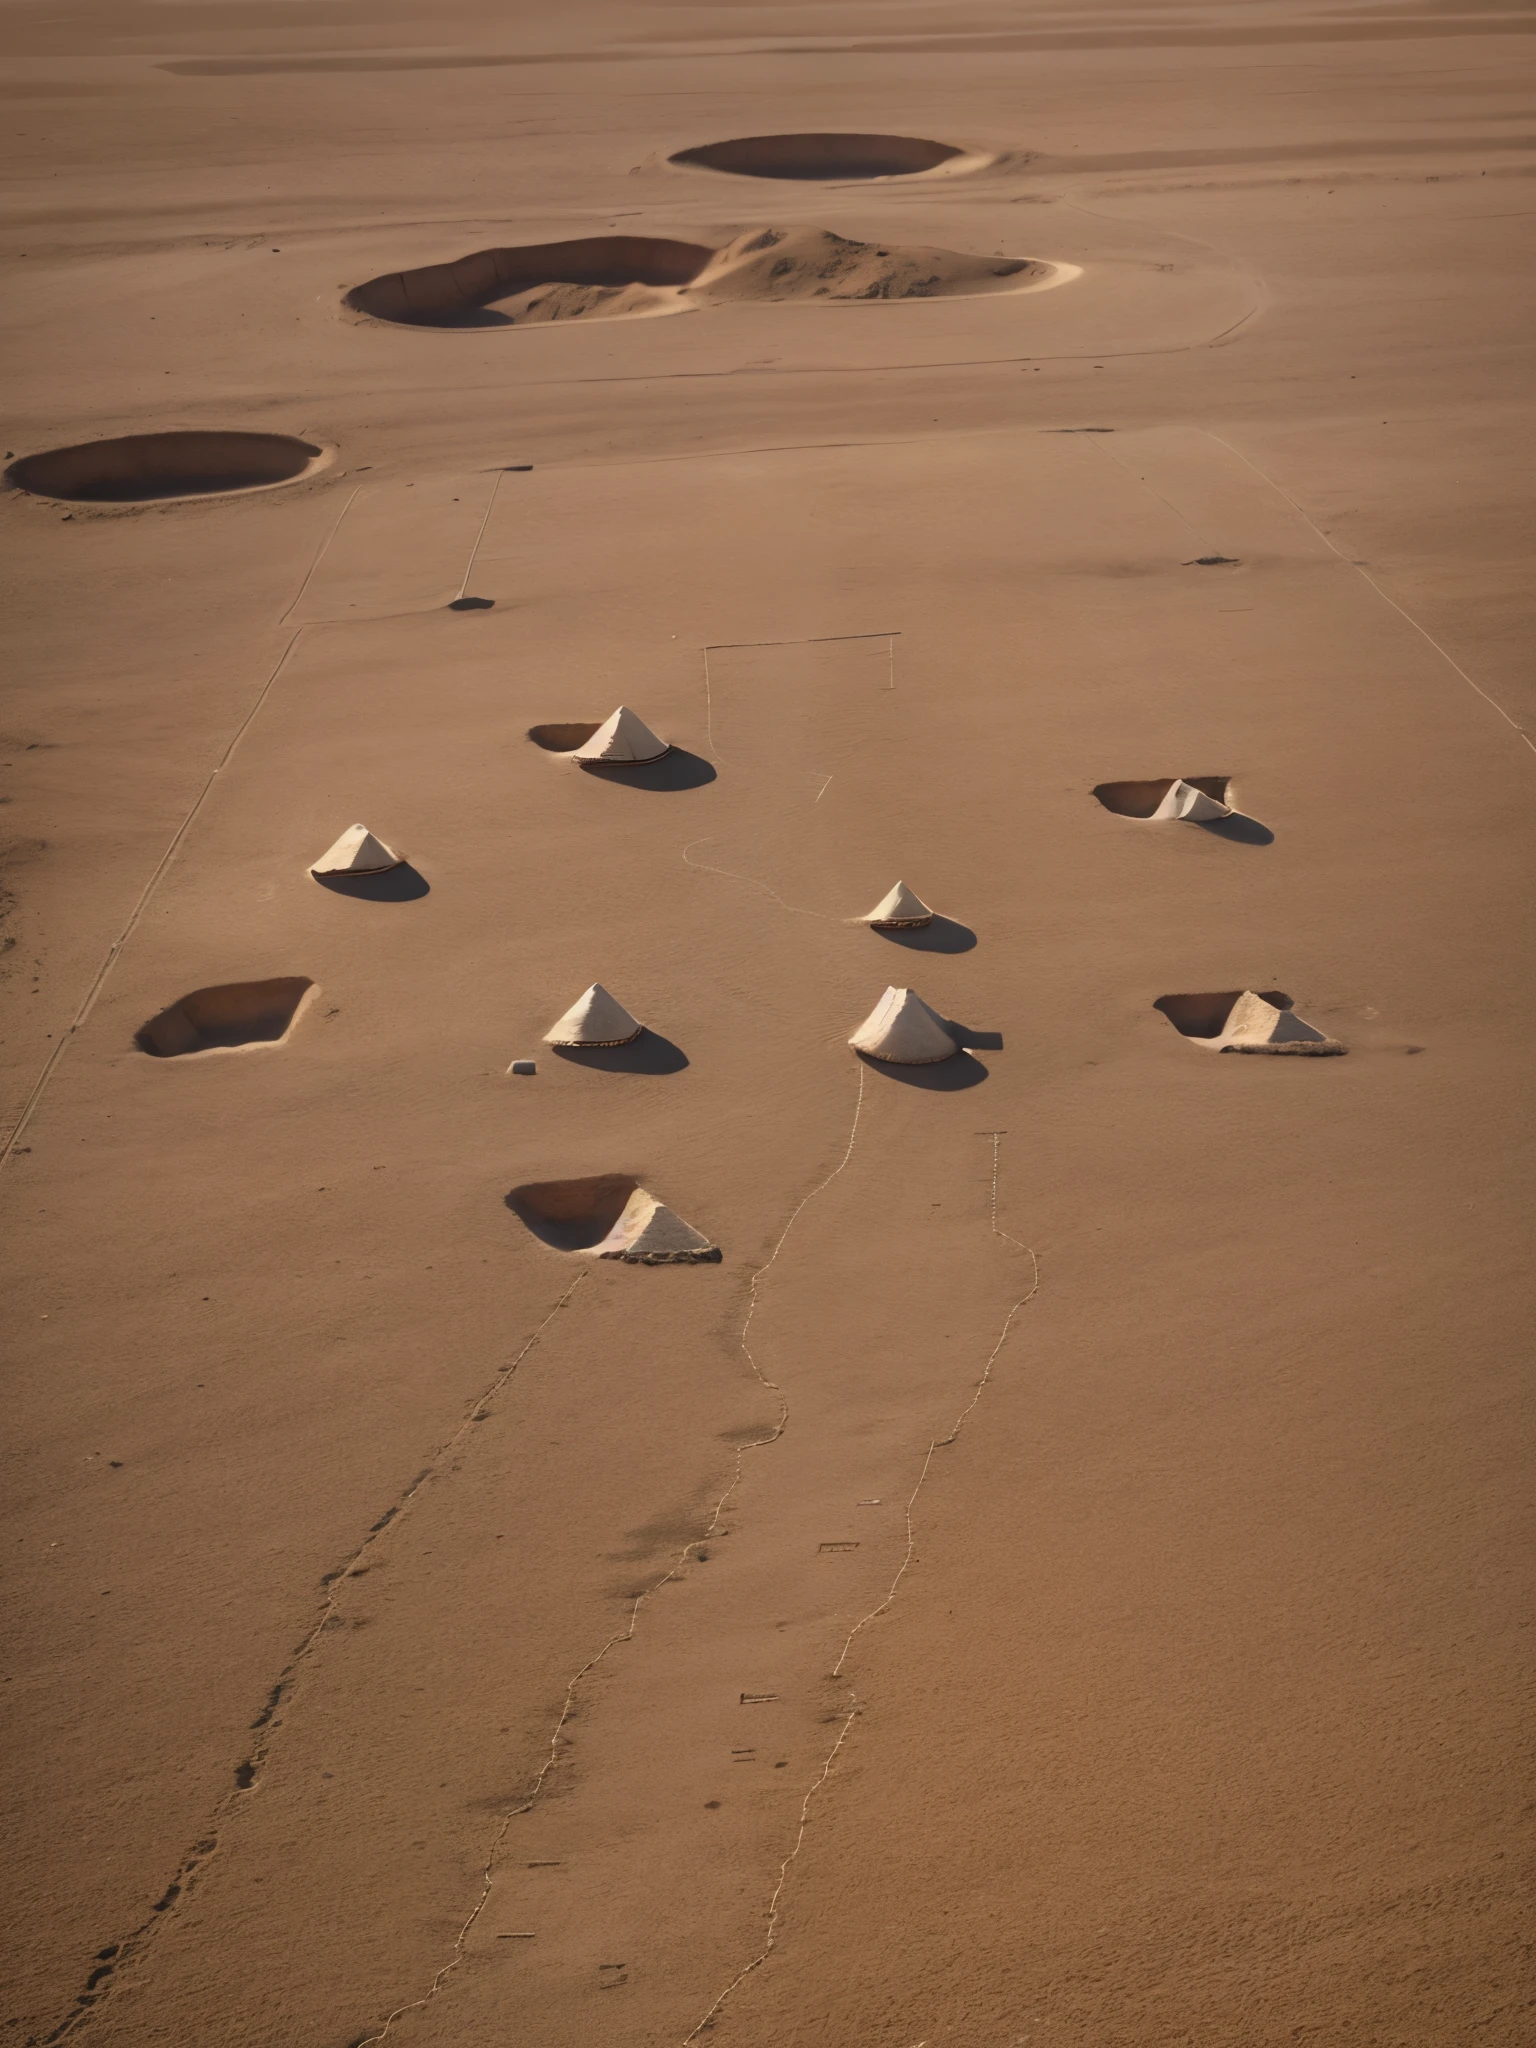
[(180, 465), (236, 1013), (608, 275), (1149, 799), (820, 156), (611, 1216), (1243, 1020), (618, 277)]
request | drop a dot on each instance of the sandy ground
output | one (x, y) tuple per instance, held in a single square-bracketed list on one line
[(1059, 1579)]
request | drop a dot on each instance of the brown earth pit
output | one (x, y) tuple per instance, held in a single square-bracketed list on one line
[(1205, 1016), (1141, 799), (572, 1215), (630, 277), (563, 739), (551, 280), (139, 468), (232, 1014), (820, 157)]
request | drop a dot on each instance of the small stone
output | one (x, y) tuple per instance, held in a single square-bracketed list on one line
[(523, 1067)]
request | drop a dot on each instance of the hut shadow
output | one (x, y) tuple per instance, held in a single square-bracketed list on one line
[(1243, 830), (943, 935), (396, 885), (650, 1053), (981, 1041), (677, 769), (943, 1077)]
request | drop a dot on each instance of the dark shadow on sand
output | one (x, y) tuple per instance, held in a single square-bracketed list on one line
[(650, 1053), (980, 1041), (943, 1077), (943, 935), (472, 604), (396, 885), (675, 770), (1244, 831)]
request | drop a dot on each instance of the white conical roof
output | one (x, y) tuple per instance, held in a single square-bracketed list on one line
[(648, 1233), (356, 852), (1185, 801), (596, 1018), (621, 740), (903, 906), (903, 1029), (1252, 1021)]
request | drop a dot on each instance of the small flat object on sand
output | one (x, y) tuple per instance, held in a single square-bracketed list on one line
[(902, 910), (595, 1018), (1185, 801), (622, 741), (357, 852), (903, 1030), (1254, 1025), (648, 1233)]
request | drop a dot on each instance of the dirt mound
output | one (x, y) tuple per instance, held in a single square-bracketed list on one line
[(626, 277), (821, 156), (138, 467), (813, 263)]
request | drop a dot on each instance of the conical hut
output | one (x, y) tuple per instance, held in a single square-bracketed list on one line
[(594, 1019), (357, 852), (902, 910), (622, 741), (904, 1031)]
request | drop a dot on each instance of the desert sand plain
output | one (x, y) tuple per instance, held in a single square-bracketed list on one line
[(1059, 1577)]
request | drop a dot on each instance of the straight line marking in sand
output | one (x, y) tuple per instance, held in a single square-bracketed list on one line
[(134, 1945), (626, 1634), (1423, 632), (298, 597), (855, 1705), (117, 945), (815, 640), (145, 893), (480, 536)]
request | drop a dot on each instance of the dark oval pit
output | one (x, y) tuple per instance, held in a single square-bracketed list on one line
[(136, 468), (821, 157)]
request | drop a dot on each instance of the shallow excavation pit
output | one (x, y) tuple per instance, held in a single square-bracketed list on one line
[(140, 468), (578, 273), (631, 277), (1141, 799), (821, 157), (609, 1216), (233, 1014), (1246, 1021)]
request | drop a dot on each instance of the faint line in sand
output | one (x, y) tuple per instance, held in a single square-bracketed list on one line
[(855, 1707), (320, 555), (480, 536), (1423, 632), (145, 893), (117, 945), (626, 1634), (134, 1945), (815, 640)]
